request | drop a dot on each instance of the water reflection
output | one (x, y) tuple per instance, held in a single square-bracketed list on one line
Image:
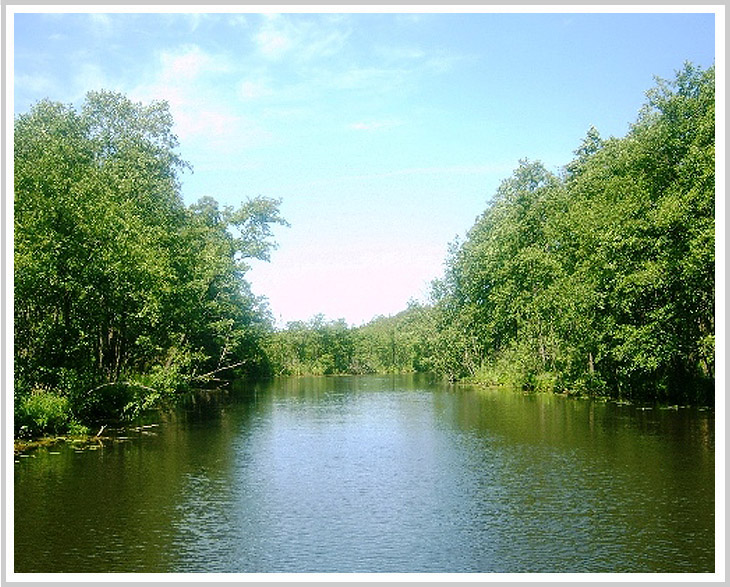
[(368, 474)]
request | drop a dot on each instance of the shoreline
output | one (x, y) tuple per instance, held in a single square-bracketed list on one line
[(25, 445)]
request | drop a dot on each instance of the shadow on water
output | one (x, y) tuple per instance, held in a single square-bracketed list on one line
[(369, 474)]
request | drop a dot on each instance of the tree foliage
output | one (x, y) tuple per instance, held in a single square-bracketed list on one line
[(387, 344), (116, 280), (601, 278), (596, 279)]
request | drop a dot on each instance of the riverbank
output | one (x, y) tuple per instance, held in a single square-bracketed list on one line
[(81, 440), (22, 446)]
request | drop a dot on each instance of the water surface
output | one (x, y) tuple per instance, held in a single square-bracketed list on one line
[(378, 474)]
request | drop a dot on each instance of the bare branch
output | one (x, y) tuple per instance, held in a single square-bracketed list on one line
[(121, 383), (208, 375)]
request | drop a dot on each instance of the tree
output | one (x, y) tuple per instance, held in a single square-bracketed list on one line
[(602, 279), (119, 287)]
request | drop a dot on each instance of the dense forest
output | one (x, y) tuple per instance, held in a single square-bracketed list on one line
[(123, 295), (597, 279)]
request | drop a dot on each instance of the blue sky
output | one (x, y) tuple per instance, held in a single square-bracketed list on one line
[(385, 135)]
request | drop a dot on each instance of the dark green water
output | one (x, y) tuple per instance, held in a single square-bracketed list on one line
[(378, 474)]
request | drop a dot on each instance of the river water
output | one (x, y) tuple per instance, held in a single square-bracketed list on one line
[(377, 474)]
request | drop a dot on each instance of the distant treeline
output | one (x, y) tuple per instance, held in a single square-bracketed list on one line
[(392, 344), (597, 280)]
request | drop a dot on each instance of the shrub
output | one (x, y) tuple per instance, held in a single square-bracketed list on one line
[(42, 412)]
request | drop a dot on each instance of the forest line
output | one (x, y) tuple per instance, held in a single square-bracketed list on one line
[(595, 280)]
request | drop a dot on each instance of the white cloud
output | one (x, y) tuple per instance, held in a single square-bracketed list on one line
[(415, 59), (101, 23), (194, 120), (396, 67), (200, 100), (273, 44), (408, 19), (274, 38), (298, 38), (323, 45), (240, 20), (189, 63), (441, 62), (195, 18), (191, 21)]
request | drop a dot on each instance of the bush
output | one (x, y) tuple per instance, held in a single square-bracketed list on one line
[(545, 382), (586, 385), (486, 375), (41, 413)]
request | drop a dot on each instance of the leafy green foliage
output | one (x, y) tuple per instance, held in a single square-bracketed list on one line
[(45, 413), (600, 280), (116, 280), (393, 344), (315, 347)]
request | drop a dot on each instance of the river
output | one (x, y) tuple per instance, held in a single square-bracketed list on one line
[(377, 474)]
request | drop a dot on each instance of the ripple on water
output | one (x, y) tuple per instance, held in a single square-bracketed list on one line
[(343, 476)]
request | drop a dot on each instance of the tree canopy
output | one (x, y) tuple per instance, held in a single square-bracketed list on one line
[(600, 277), (597, 278), (122, 293)]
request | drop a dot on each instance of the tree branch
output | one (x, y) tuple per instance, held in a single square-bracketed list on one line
[(125, 383), (208, 375)]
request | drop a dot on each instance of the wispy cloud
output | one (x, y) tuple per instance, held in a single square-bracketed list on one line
[(409, 19), (397, 67), (284, 67), (443, 61), (190, 62), (238, 20), (302, 58), (190, 80), (195, 19), (273, 42), (299, 39), (101, 23)]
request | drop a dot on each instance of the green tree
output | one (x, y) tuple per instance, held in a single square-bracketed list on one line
[(601, 279), (122, 294)]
